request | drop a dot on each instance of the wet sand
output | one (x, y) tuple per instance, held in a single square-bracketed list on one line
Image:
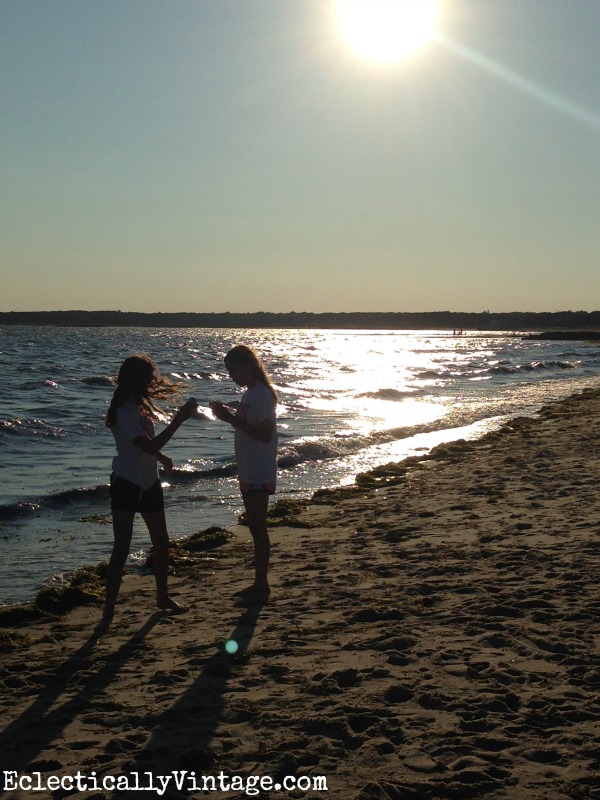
[(433, 632)]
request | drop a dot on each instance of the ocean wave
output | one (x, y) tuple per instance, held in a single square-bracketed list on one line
[(568, 364), (77, 495), (31, 426), (192, 474), (56, 500), (21, 509), (89, 495), (334, 447), (508, 368), (388, 394), (429, 374), (196, 376), (320, 448)]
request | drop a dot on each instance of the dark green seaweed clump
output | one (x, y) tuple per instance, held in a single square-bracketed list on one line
[(209, 539), (287, 512), (16, 615), (193, 549), (81, 588)]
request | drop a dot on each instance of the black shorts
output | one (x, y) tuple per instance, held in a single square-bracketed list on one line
[(128, 496)]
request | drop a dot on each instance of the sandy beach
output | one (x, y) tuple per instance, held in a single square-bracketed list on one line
[(433, 632)]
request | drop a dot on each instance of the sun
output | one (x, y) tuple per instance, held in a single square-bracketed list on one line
[(387, 30)]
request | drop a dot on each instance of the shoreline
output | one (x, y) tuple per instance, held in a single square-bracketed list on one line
[(433, 631)]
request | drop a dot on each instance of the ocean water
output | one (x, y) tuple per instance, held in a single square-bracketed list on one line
[(349, 400)]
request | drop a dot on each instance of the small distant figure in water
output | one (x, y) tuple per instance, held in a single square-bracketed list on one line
[(134, 483), (255, 424)]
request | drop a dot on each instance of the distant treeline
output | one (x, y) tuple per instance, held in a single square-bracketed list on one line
[(437, 320)]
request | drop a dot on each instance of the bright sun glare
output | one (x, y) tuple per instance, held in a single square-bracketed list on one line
[(387, 30)]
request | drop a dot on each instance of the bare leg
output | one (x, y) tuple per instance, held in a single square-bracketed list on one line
[(257, 504), (122, 530), (157, 528)]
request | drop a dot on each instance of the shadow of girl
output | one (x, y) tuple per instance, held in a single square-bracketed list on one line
[(56, 706)]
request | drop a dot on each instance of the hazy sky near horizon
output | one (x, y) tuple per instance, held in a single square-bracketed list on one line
[(240, 155)]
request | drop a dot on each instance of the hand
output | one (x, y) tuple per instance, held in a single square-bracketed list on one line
[(220, 411), (166, 462), (187, 409)]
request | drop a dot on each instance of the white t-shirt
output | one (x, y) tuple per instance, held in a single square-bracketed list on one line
[(131, 462), (256, 461)]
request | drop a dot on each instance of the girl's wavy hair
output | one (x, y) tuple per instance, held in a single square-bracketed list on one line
[(139, 380), (243, 356)]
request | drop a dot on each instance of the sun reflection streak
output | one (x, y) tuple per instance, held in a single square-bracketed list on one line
[(364, 414), (524, 85)]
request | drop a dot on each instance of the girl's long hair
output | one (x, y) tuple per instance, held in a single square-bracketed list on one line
[(139, 380), (243, 356)]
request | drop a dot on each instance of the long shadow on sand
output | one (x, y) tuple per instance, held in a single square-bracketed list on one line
[(43, 721), (184, 733)]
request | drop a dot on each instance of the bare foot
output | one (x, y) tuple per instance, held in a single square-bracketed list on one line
[(171, 605)]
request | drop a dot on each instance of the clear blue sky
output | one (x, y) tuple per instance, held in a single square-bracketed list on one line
[(239, 155)]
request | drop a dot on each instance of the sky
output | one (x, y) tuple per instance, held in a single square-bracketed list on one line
[(243, 155)]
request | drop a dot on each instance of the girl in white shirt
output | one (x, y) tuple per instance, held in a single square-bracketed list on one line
[(134, 483), (255, 428)]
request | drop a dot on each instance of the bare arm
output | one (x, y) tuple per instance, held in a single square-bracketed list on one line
[(262, 432), (154, 446)]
